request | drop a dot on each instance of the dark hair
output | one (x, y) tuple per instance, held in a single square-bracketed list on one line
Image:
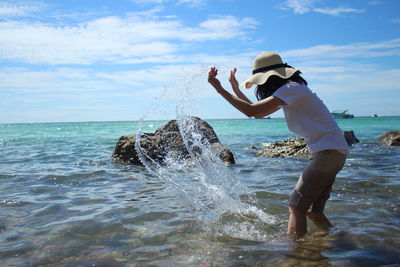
[(274, 83)]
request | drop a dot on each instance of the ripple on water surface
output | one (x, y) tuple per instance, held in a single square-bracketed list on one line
[(64, 203)]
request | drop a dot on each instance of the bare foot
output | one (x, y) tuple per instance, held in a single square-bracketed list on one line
[(319, 220)]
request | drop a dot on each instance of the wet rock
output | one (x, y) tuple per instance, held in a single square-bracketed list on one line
[(293, 147), (391, 138), (350, 137), (223, 153), (125, 150), (167, 141)]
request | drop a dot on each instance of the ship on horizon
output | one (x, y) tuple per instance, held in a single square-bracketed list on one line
[(342, 114)]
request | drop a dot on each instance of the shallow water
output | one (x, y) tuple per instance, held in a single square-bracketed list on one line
[(63, 202)]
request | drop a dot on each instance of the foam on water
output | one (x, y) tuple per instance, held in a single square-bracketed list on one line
[(205, 185)]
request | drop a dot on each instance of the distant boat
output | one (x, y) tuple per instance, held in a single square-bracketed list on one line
[(342, 114), (263, 118)]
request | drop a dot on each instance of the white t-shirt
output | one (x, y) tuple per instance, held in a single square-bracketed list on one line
[(307, 116)]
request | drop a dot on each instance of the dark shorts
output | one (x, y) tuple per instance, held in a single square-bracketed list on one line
[(315, 183)]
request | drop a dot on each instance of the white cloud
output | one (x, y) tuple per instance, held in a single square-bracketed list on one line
[(357, 80), (221, 27), (83, 107), (225, 23), (329, 67), (23, 80), (111, 39), (190, 3), (73, 80), (375, 2), (337, 11), (331, 71), (356, 50), (19, 9), (149, 1), (305, 6), (300, 6), (396, 21)]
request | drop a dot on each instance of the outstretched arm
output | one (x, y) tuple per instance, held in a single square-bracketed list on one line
[(235, 87), (257, 110)]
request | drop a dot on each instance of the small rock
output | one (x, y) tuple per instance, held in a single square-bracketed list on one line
[(293, 147), (391, 138), (350, 137)]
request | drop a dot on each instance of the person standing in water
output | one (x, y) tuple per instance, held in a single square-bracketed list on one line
[(281, 86)]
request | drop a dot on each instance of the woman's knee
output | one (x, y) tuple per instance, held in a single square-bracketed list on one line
[(299, 201)]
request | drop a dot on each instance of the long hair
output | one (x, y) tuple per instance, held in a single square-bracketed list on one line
[(274, 83)]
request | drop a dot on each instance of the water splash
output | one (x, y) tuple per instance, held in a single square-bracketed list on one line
[(220, 204)]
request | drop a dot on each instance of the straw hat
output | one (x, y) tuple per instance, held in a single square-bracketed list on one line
[(267, 64)]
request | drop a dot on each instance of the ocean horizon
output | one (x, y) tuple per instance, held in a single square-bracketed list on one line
[(166, 120)]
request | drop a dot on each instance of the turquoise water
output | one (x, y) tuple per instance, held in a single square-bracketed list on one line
[(63, 201)]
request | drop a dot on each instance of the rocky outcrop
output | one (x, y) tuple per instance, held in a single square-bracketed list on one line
[(391, 138), (295, 147), (167, 142)]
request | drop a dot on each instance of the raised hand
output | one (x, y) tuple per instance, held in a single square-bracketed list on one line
[(233, 81), (235, 86), (212, 78)]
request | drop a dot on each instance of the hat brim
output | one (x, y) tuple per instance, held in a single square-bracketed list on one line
[(262, 77)]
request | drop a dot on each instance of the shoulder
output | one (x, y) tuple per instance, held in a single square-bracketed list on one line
[(294, 87), (291, 92)]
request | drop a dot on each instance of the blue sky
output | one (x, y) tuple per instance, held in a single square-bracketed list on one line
[(103, 60)]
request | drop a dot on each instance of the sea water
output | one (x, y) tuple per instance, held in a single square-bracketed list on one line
[(64, 202)]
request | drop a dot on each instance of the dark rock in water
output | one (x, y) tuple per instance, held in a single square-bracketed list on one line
[(223, 153), (295, 147), (167, 141), (125, 150), (391, 138), (350, 137)]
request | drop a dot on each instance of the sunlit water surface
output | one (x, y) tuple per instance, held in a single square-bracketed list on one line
[(64, 202)]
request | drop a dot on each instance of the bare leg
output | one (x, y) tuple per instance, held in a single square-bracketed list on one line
[(320, 220), (297, 222), (316, 215)]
